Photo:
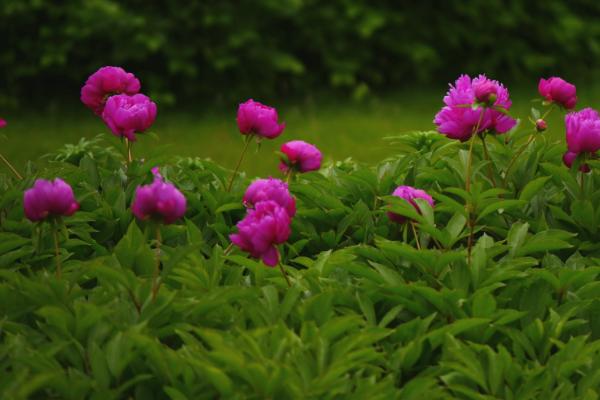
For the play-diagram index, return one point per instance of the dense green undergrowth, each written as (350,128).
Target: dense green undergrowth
(373,313)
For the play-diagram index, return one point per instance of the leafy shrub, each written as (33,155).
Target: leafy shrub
(224,50)
(376,310)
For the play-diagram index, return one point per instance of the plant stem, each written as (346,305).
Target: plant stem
(288,175)
(129,153)
(237,167)
(228,249)
(412,225)
(10,166)
(489,159)
(470,158)
(285,275)
(155,282)
(470,242)
(57,252)
(515,156)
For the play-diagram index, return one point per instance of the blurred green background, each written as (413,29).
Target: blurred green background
(342,73)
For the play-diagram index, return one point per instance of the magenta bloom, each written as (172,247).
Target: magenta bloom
(106,82)
(49,199)
(301,156)
(127,115)
(263,228)
(409,194)
(559,91)
(254,118)
(159,200)
(485,90)
(568,159)
(270,189)
(2,123)
(458,119)
(583,131)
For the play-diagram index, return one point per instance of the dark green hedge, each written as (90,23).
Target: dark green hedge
(228,49)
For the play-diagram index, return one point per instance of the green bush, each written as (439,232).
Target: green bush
(376,311)
(229,50)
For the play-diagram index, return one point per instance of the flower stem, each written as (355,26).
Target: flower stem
(489,159)
(57,252)
(469,204)
(129,152)
(10,166)
(288,175)
(237,167)
(155,282)
(515,156)
(285,275)
(228,249)
(470,158)
(412,225)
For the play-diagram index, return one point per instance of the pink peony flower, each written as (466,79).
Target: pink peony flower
(254,118)
(568,159)
(263,228)
(270,189)
(300,155)
(583,131)
(49,199)
(106,82)
(127,115)
(159,200)
(486,91)
(3,123)
(458,119)
(559,91)
(409,194)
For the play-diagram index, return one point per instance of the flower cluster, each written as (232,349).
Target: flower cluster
(113,94)
(160,200)
(267,222)
(475,106)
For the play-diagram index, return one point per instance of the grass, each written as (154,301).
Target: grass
(340,129)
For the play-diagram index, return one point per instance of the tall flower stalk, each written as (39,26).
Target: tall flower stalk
(5,160)
(255,119)
(161,203)
(49,201)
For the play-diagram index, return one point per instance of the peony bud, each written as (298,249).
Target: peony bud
(541,125)
(301,156)
(254,118)
(559,91)
(49,199)
(583,131)
(159,201)
(127,115)
(409,194)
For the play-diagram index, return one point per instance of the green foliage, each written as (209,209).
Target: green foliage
(227,50)
(376,310)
